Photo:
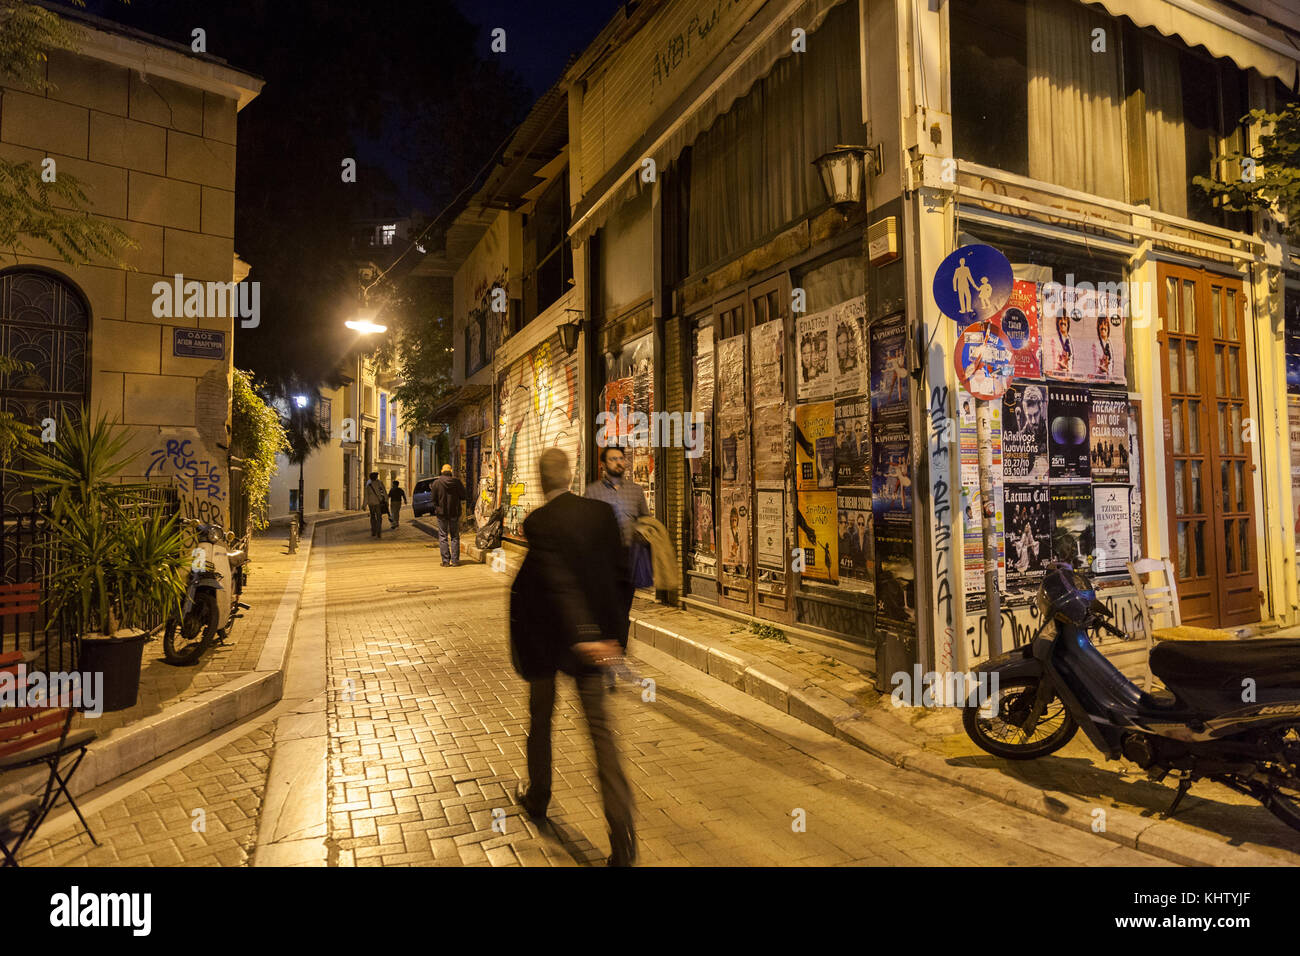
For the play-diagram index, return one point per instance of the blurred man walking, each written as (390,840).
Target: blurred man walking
(565,608)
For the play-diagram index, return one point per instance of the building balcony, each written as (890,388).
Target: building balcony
(393,452)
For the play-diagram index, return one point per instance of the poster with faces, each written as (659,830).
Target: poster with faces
(1083,335)
(848,324)
(815,376)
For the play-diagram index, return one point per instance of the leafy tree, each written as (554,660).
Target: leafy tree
(1270,175)
(15,434)
(257,437)
(419,343)
(32,208)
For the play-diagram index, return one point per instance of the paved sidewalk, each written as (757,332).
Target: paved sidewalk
(163,685)
(427,726)
(1214,825)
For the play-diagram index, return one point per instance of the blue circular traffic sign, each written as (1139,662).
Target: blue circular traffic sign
(973,284)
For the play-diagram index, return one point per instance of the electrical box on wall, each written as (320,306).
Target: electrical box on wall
(882,241)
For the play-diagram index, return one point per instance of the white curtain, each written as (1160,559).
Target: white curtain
(1166,145)
(1076,134)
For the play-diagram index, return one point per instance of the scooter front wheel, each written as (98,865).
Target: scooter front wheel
(997,726)
(185,642)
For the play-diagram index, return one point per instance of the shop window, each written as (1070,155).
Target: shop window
(1031,97)
(829,283)
(1193,110)
(752,172)
(547,232)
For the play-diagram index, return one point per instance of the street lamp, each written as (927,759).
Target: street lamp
(842,171)
(301,402)
(569,332)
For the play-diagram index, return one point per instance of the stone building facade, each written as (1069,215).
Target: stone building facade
(149,129)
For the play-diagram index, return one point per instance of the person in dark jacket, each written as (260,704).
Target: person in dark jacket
(396,498)
(448,493)
(565,610)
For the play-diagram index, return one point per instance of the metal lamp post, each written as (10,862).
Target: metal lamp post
(301,402)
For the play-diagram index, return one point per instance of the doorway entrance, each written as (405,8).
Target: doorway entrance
(1210,478)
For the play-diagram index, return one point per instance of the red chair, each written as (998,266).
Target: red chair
(33,736)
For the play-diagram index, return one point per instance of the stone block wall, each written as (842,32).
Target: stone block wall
(157,158)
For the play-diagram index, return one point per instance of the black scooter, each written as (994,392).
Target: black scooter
(1231,713)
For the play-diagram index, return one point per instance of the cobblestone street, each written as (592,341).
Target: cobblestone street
(426,729)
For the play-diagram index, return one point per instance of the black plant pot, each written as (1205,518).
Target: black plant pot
(117,659)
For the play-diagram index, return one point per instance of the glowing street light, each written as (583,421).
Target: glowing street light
(365,327)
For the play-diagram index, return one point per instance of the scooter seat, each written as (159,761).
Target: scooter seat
(1209,674)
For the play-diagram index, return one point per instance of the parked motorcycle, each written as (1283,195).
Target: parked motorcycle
(1231,712)
(216,580)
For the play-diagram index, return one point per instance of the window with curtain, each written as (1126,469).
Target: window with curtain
(1030,95)
(751,173)
(1193,110)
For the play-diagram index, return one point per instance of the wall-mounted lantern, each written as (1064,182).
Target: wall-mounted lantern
(842,172)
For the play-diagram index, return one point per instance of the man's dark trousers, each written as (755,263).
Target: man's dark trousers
(377,521)
(615,792)
(449,539)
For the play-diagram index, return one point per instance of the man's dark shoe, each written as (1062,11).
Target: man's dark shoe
(455,564)
(521,798)
(446,564)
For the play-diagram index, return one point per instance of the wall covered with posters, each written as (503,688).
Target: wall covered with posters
(628,401)
(1066,453)
(539,403)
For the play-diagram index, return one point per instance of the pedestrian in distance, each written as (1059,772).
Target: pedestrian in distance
(448,494)
(376,502)
(396,498)
(566,614)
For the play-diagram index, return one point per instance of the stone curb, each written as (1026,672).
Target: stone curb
(131,747)
(828,713)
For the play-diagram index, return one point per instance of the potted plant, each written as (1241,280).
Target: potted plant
(116,574)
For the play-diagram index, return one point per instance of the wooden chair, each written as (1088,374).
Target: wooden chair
(39,734)
(1163,599)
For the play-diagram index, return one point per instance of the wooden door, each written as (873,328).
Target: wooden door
(1210,478)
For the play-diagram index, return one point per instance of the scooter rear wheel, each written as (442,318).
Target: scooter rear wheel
(995,728)
(184,644)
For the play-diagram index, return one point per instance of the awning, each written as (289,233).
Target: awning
(1251,42)
(747,60)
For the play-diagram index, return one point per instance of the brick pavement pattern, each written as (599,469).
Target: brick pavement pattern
(428,724)
(155,826)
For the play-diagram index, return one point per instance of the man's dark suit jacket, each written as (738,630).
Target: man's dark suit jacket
(570,587)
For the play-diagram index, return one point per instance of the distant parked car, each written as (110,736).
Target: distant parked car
(422,497)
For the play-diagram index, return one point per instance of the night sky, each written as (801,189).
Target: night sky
(409,88)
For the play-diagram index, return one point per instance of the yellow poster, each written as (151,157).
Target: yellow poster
(813,422)
(817,538)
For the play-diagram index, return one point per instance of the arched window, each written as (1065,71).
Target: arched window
(45,322)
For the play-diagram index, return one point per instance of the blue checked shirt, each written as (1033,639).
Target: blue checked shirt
(626,498)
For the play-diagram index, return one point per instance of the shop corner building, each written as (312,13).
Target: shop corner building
(1151,409)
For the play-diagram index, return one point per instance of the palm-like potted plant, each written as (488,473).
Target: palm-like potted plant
(117,573)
